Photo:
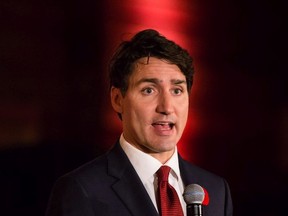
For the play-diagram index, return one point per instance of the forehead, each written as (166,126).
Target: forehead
(154,67)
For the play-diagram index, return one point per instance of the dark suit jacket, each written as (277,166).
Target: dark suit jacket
(110,186)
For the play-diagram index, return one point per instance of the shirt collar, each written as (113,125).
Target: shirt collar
(149,167)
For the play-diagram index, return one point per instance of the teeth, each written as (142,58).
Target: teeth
(164,124)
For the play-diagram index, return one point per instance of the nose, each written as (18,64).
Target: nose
(165,104)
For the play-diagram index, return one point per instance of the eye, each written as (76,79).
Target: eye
(147,91)
(177,91)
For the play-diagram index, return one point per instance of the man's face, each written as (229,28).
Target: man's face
(155,107)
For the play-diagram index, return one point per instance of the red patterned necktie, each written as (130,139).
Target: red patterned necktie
(169,204)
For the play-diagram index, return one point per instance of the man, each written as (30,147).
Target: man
(150,79)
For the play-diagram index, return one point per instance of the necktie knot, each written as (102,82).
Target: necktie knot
(163,173)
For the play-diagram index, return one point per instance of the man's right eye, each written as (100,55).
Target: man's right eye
(147,91)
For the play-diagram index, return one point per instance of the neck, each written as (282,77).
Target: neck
(163,157)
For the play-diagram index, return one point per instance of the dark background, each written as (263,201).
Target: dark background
(54,100)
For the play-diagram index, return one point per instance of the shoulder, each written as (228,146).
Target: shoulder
(86,174)
(73,192)
(213,183)
(194,173)
(103,170)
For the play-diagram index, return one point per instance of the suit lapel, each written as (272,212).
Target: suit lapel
(129,186)
(188,173)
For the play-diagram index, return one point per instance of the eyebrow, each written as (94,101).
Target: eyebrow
(178,81)
(156,81)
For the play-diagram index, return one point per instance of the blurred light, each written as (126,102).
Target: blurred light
(172,18)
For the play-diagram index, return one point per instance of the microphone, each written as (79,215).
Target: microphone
(195,196)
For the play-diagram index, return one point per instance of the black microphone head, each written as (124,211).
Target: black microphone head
(194,194)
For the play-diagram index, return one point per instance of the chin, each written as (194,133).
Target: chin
(167,146)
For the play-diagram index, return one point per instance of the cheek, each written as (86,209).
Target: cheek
(140,105)
(183,112)
(134,110)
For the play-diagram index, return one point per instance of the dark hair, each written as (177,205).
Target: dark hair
(147,43)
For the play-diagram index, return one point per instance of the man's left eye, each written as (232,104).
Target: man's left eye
(177,91)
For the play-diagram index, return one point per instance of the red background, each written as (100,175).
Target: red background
(55,112)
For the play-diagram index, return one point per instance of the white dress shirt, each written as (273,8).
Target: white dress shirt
(146,167)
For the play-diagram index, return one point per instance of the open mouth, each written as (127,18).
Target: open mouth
(163,125)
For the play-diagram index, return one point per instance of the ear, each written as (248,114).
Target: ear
(116,99)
